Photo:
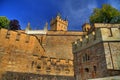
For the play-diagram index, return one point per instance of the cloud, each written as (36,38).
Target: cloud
(78,12)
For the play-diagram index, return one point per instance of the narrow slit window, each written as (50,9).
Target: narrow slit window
(18,37)
(110,35)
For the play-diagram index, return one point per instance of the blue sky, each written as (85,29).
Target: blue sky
(38,12)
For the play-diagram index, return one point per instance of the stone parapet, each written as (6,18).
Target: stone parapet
(101,33)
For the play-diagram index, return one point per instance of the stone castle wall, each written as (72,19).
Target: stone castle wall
(103,44)
(58,43)
(22,53)
(91,62)
(30,76)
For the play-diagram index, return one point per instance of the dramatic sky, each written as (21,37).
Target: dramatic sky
(38,12)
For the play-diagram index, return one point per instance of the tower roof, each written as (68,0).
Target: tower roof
(28,26)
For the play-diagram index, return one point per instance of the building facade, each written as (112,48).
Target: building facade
(97,54)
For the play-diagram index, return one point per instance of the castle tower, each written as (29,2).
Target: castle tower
(28,27)
(58,24)
(86,27)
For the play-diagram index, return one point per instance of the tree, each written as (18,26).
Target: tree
(14,25)
(107,14)
(4,22)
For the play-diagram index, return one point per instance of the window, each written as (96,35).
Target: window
(18,37)
(32,64)
(95,68)
(86,70)
(86,57)
(8,35)
(38,66)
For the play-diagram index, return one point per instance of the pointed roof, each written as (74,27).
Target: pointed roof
(46,26)
(28,26)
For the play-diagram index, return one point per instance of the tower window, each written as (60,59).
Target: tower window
(95,68)
(86,57)
(86,70)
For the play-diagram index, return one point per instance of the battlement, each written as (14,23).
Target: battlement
(15,35)
(59,24)
(58,19)
(23,53)
(100,33)
(52,66)
(20,39)
(105,25)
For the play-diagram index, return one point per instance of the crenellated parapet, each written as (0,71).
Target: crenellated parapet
(59,19)
(101,32)
(59,24)
(109,32)
(23,53)
(21,41)
(52,66)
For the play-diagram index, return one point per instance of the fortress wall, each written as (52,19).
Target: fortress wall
(58,43)
(60,46)
(21,41)
(53,66)
(17,50)
(30,76)
(89,58)
(26,55)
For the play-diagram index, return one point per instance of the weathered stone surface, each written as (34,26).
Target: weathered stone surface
(28,54)
(98,55)
(30,76)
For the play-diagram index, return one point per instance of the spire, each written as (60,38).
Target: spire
(46,26)
(59,15)
(28,26)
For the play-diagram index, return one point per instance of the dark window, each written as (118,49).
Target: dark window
(18,37)
(95,69)
(8,35)
(38,66)
(86,70)
(86,57)
(32,64)
(27,39)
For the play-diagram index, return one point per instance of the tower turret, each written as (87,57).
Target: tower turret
(58,24)
(28,27)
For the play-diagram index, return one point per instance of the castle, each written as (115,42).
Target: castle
(38,54)
(97,54)
(53,54)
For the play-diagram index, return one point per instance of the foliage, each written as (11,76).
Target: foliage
(107,14)
(14,25)
(116,19)
(4,22)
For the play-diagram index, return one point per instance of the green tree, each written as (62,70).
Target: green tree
(107,14)
(4,22)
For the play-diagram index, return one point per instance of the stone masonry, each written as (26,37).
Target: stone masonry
(97,54)
(42,53)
